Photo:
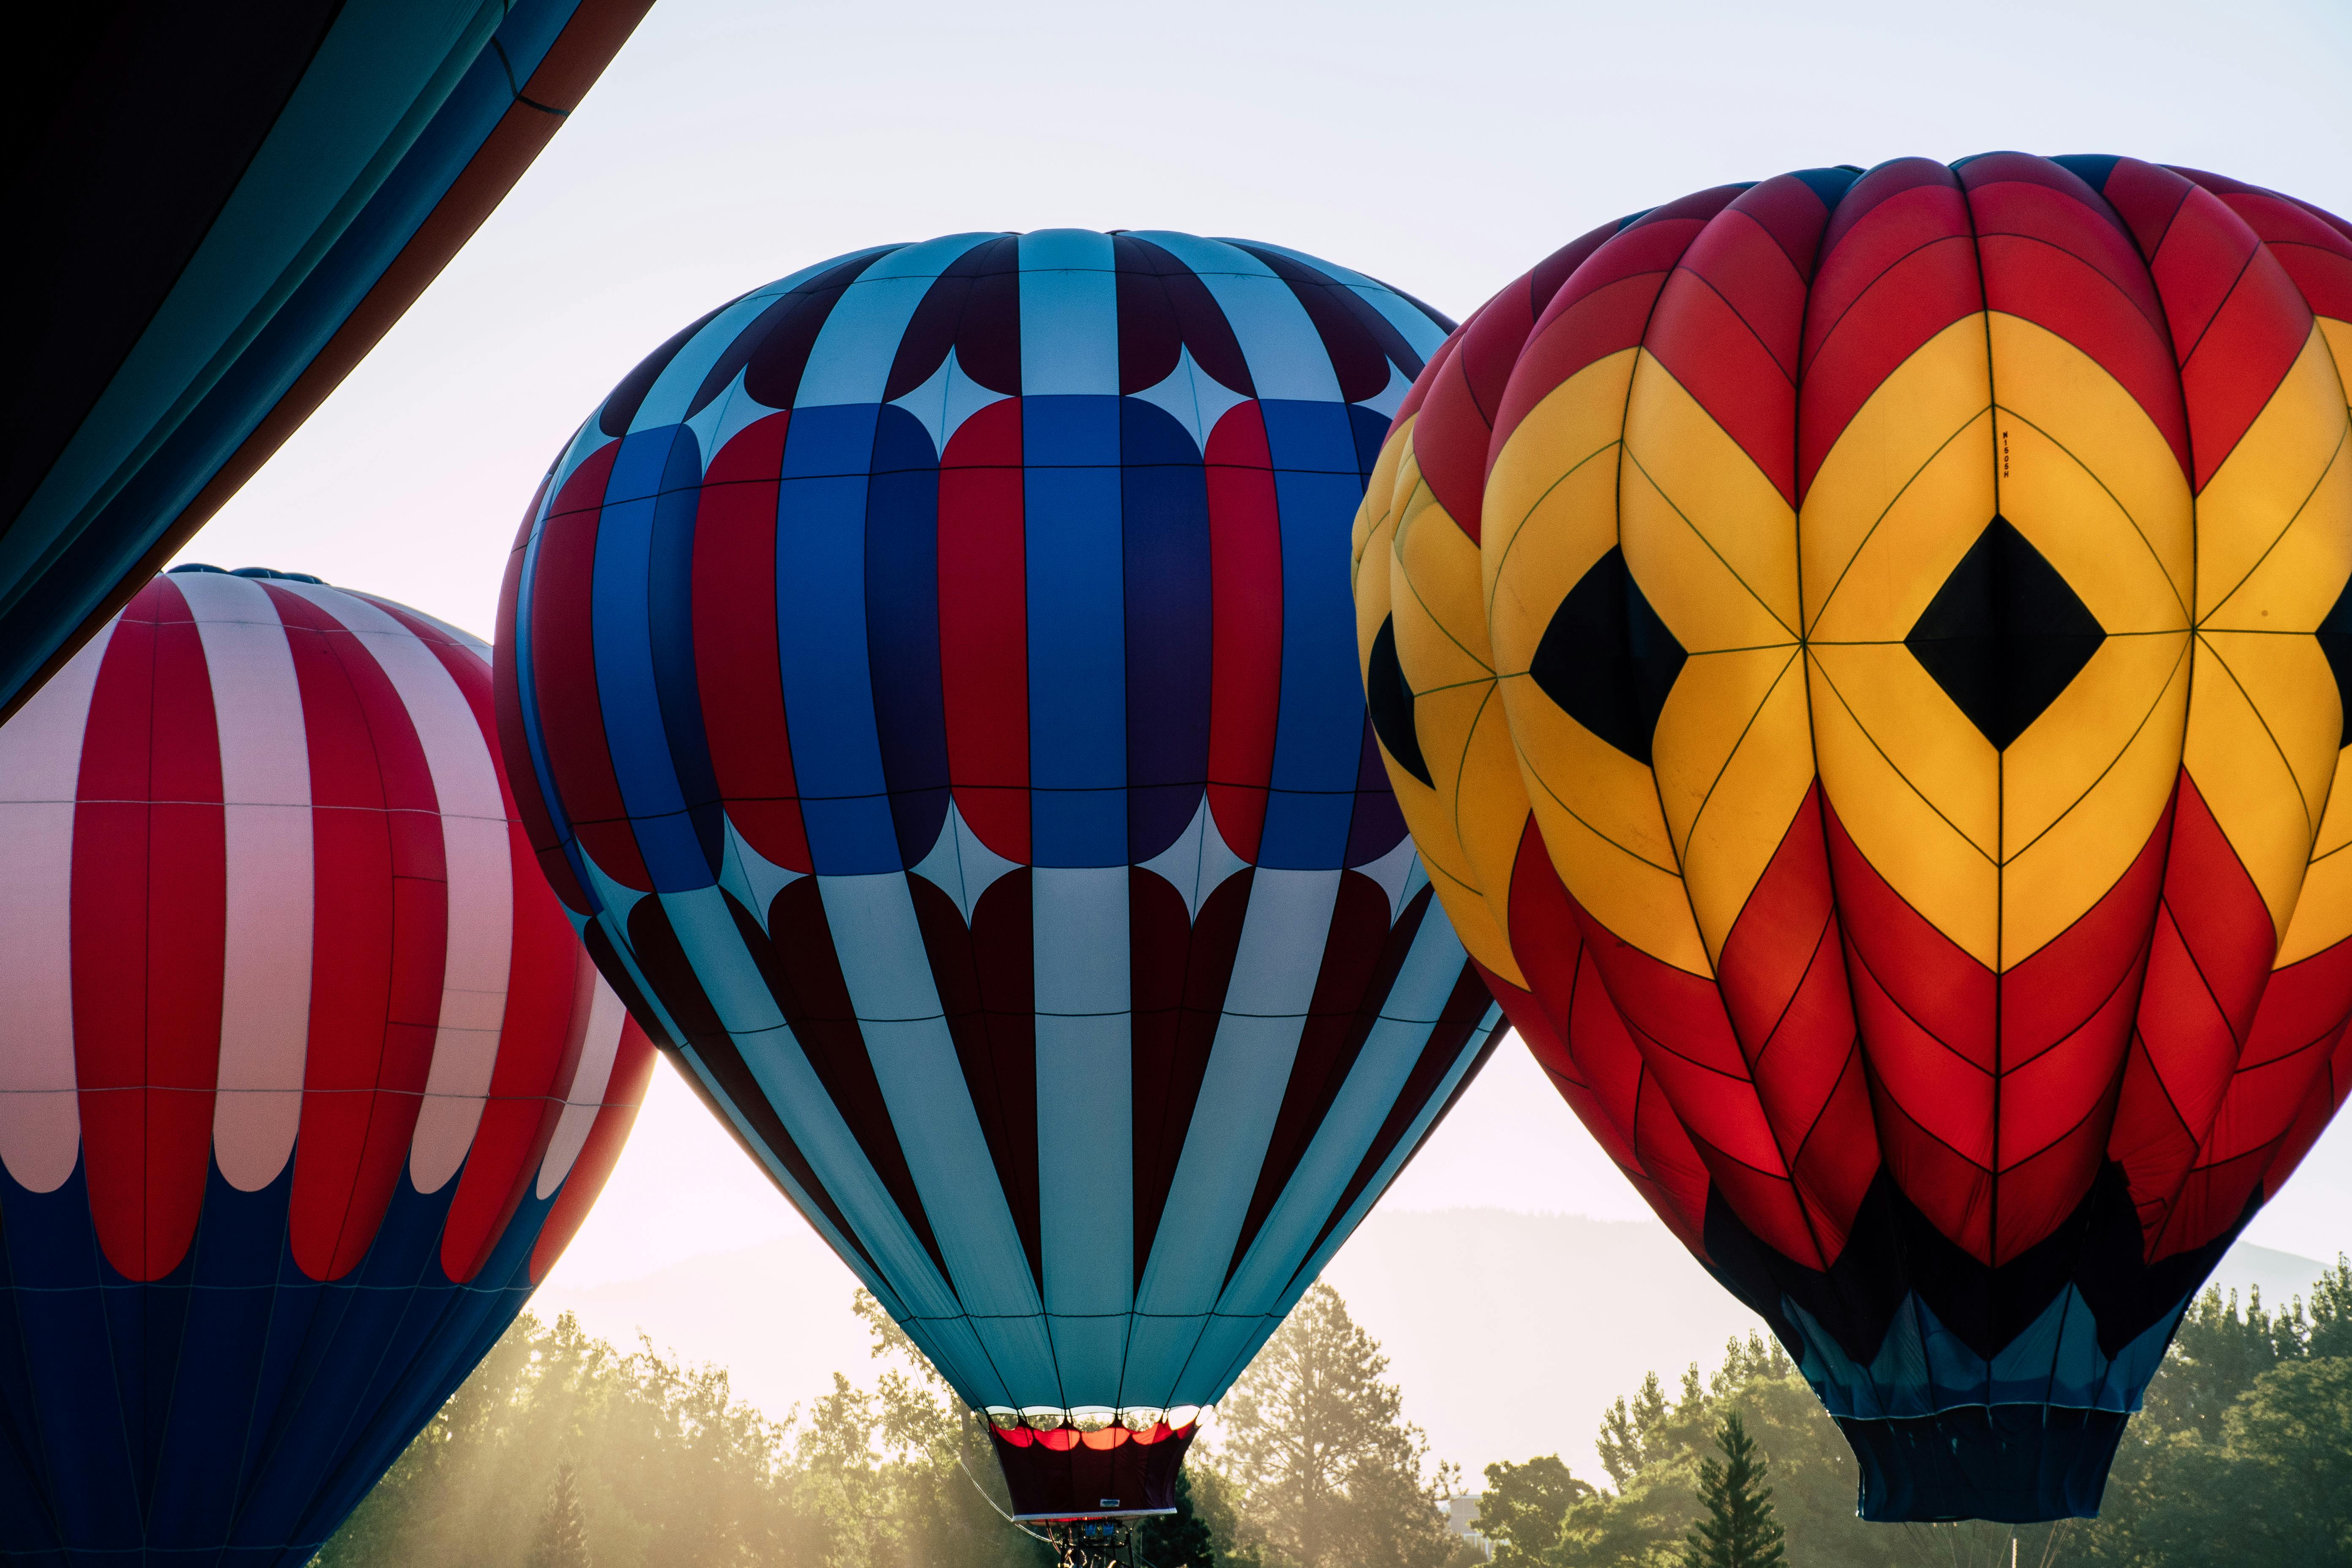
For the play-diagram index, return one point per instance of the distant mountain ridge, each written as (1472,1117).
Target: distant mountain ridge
(1508,1332)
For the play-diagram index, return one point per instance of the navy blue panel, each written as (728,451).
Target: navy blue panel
(1829,185)
(1164,521)
(1372,428)
(670,594)
(2090,168)
(902,628)
(820,639)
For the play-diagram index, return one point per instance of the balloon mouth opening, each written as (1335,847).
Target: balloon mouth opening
(1110,1471)
(2010,1464)
(1097,1427)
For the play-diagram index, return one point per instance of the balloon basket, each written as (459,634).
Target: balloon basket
(1097,1543)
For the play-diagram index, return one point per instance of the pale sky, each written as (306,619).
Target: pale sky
(1443,148)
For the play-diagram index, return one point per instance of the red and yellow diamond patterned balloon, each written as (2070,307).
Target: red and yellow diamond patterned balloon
(1864,659)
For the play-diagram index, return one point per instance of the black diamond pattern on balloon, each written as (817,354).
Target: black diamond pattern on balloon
(1607,660)
(2335,641)
(1390,701)
(2004,635)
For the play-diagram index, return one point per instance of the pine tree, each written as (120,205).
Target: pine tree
(1739,1530)
(562,1538)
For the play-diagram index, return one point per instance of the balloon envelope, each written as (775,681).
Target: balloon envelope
(219,211)
(1863,655)
(308,1079)
(932,674)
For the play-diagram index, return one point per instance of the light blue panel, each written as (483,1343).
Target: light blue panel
(1156,1352)
(810,1210)
(2032,1367)
(882,961)
(1956,1375)
(1414,1132)
(665,402)
(1084,1120)
(1415,328)
(1226,1345)
(851,360)
(2129,1373)
(960,1357)
(382,71)
(1069,314)
(751,876)
(1284,933)
(737,992)
(1285,353)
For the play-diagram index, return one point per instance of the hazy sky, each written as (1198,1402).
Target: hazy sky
(1441,147)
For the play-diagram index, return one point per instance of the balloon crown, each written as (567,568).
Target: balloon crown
(251,571)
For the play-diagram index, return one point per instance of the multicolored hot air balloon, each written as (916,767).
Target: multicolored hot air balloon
(927,679)
(1864,659)
(220,210)
(307,1081)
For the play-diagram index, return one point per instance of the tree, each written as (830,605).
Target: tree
(1182,1540)
(1329,1473)
(562,1538)
(1526,1505)
(1739,1530)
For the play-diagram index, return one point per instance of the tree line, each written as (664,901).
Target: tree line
(565,1451)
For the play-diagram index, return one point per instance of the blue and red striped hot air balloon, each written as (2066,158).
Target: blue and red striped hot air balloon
(929,681)
(308,1080)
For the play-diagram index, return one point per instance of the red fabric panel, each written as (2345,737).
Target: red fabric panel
(1175,1028)
(531,805)
(2313,246)
(2237,320)
(984,626)
(736,666)
(550,989)
(1730,322)
(380,937)
(1898,266)
(2054,254)
(149,935)
(1604,305)
(563,637)
(1783,980)
(986,976)
(1245,650)
(632,1070)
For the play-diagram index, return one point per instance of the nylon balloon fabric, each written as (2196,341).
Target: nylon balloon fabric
(932,675)
(308,1082)
(1864,656)
(224,207)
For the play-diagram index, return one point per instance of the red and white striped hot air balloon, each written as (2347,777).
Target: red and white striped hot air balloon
(296,1051)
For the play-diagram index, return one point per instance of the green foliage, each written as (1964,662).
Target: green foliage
(562,1538)
(1738,1530)
(1326,1471)
(1524,1506)
(1184,1540)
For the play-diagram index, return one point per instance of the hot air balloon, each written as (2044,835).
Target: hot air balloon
(219,211)
(928,677)
(308,1079)
(1864,656)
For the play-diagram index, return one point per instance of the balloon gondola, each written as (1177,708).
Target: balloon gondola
(1865,656)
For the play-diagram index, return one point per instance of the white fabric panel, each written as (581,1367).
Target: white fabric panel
(40,763)
(477,843)
(272,893)
(842,365)
(584,1096)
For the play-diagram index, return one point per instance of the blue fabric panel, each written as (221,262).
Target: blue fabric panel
(822,641)
(1319,733)
(1164,525)
(902,628)
(1077,643)
(628,678)
(670,595)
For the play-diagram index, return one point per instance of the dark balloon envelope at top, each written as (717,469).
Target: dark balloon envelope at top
(931,675)
(218,211)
